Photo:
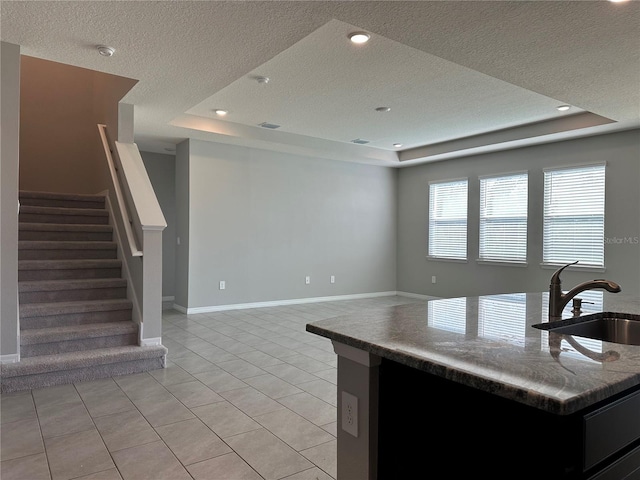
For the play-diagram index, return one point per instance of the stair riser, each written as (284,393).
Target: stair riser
(68,319)
(73,295)
(27,382)
(78,345)
(65,236)
(67,254)
(49,202)
(61,218)
(68,274)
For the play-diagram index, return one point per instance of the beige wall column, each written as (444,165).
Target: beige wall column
(358,375)
(9,161)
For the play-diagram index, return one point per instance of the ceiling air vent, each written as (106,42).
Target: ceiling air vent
(360,141)
(272,126)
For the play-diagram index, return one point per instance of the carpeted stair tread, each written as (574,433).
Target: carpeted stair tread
(76,332)
(65,227)
(85,358)
(83,306)
(87,232)
(39,210)
(81,197)
(55,285)
(66,250)
(69,264)
(65,245)
(76,322)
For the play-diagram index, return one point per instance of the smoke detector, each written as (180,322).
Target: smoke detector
(105,51)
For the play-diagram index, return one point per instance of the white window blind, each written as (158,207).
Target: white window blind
(503,317)
(574,215)
(448,220)
(503,218)
(448,314)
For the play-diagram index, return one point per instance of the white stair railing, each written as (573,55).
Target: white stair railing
(136,208)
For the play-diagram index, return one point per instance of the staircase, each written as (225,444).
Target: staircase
(75,318)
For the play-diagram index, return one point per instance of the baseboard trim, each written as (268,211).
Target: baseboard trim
(10,358)
(277,303)
(168,299)
(151,342)
(179,308)
(416,295)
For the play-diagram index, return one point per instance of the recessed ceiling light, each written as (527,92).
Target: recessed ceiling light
(564,108)
(383,109)
(397,145)
(262,80)
(360,141)
(359,37)
(220,112)
(105,51)
(618,1)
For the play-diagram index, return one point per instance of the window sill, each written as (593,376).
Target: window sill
(581,268)
(501,263)
(445,259)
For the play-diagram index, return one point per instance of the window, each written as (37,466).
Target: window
(448,220)
(503,317)
(574,216)
(448,314)
(503,218)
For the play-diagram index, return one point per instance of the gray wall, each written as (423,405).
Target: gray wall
(182,225)
(162,173)
(262,221)
(621,151)
(10,82)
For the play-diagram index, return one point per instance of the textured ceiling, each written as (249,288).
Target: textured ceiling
(460,77)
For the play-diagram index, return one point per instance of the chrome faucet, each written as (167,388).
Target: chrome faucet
(558,300)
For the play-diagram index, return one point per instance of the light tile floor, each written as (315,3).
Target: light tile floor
(246,395)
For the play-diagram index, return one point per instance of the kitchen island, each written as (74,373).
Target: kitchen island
(468,385)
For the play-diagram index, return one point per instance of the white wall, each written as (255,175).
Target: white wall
(262,221)
(162,173)
(621,151)
(9,160)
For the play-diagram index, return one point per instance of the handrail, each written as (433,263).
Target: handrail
(143,197)
(131,240)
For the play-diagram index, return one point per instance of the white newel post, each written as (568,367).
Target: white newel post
(151,331)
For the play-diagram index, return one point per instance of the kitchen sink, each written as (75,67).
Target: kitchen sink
(608,327)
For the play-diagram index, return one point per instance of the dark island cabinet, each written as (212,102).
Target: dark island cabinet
(428,423)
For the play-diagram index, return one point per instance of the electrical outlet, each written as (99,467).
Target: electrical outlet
(223,284)
(433,279)
(350,413)
(333,279)
(307,280)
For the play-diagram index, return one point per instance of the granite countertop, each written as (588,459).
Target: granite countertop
(488,343)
